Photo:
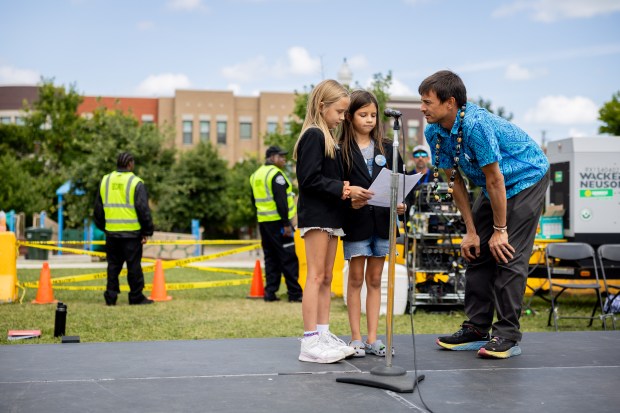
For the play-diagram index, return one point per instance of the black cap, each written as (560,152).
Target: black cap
(274,150)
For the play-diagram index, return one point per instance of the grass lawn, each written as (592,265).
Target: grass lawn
(219,312)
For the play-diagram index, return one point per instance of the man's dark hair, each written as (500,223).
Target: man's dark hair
(445,84)
(124,159)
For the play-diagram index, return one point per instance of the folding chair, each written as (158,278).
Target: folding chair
(609,257)
(562,260)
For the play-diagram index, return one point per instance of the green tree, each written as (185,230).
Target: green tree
(241,212)
(15,139)
(379,87)
(499,111)
(287,140)
(20,189)
(42,148)
(55,126)
(609,114)
(107,134)
(195,188)
(23,182)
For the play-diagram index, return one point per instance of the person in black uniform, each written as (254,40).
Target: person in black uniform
(272,194)
(122,212)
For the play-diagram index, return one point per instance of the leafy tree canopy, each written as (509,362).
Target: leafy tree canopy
(195,188)
(500,111)
(106,135)
(609,114)
(241,212)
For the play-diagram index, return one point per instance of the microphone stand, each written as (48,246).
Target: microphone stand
(389,377)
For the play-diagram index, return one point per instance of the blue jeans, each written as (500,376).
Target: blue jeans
(371,247)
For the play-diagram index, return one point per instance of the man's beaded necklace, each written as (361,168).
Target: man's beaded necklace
(459,138)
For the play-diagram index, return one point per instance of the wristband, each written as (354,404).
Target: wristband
(500,229)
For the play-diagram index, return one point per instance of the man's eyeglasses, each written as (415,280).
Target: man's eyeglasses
(420,155)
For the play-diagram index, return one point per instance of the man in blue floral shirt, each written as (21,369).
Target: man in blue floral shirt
(512,171)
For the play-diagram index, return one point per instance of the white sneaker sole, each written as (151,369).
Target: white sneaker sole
(323,360)
(348,351)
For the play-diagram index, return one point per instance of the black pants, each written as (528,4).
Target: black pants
(119,251)
(280,258)
(491,286)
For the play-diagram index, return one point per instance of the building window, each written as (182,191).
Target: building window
(205,130)
(19,121)
(272,127)
(187,132)
(5,120)
(287,128)
(413,127)
(148,119)
(412,134)
(245,130)
(221,132)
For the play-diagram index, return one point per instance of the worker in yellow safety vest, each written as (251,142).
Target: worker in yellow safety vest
(272,194)
(122,212)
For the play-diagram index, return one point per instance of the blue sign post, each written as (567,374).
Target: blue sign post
(64,188)
(196,234)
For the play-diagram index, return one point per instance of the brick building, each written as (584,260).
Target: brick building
(235,125)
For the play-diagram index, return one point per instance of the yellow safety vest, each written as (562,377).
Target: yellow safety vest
(117,192)
(261,182)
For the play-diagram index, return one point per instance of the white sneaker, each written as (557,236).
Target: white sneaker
(315,350)
(334,342)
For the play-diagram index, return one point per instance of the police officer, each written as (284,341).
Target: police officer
(122,211)
(272,194)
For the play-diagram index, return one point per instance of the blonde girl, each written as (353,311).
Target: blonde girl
(320,208)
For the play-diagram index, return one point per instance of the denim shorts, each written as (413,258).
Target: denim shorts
(371,247)
(333,232)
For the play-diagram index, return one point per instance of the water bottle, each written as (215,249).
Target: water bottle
(60,321)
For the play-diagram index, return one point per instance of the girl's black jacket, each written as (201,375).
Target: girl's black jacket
(320,181)
(361,224)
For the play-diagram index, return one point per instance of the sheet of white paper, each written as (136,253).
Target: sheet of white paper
(381,187)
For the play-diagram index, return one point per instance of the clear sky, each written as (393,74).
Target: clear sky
(552,63)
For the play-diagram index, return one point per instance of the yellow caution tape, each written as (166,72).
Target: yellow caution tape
(150,242)
(59,281)
(185,261)
(149,287)
(202,284)
(224,270)
(63,249)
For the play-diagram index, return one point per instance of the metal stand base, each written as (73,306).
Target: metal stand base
(397,383)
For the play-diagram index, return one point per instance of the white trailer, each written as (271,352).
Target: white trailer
(585,179)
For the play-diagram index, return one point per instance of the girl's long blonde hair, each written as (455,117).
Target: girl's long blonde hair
(327,92)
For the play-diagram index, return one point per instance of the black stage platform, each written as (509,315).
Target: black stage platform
(557,372)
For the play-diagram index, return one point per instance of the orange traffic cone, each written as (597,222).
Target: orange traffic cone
(45,293)
(159,284)
(257,290)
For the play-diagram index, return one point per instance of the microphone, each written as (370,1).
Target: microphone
(392,113)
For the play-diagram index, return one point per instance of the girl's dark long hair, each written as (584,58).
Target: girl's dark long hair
(359,99)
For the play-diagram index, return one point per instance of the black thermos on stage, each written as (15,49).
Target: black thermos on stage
(60,321)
